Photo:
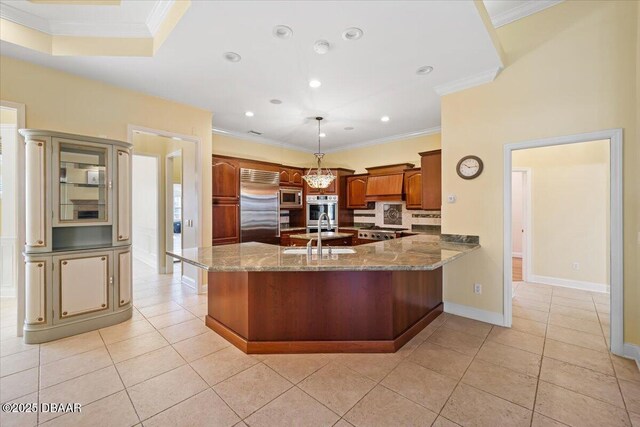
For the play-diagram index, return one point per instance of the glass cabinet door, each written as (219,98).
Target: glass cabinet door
(83,180)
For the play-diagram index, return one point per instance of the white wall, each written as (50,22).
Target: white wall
(145,216)
(517,220)
(8,230)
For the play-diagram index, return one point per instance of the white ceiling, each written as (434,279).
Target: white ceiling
(361,80)
(503,12)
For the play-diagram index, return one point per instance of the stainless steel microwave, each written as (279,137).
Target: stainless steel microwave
(291,198)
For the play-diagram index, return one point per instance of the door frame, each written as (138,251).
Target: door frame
(168,198)
(616,251)
(20,211)
(527,253)
(159,268)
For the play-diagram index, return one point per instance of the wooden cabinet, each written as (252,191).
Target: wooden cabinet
(291,177)
(413,188)
(83,284)
(431,179)
(225,179)
(225,209)
(37,203)
(356,192)
(226,223)
(285,239)
(384,187)
(123,216)
(123,277)
(37,272)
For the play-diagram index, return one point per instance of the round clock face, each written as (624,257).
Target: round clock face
(469,167)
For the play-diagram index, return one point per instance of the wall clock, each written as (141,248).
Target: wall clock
(469,167)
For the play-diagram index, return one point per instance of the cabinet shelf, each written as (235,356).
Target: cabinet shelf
(81,164)
(83,184)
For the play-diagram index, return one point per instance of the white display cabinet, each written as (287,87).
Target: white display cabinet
(78,263)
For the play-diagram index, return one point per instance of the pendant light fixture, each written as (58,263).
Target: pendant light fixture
(319,177)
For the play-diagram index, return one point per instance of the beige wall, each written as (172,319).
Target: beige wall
(400,151)
(569,210)
(60,101)
(230,146)
(571,69)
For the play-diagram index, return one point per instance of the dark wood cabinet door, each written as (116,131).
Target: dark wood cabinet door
(285,176)
(225,223)
(356,190)
(413,189)
(225,179)
(431,180)
(296,176)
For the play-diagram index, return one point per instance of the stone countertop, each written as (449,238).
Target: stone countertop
(289,228)
(418,252)
(326,235)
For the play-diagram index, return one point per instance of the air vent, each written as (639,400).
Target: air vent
(253,132)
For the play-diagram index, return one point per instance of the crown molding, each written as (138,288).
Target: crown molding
(260,139)
(21,17)
(158,15)
(521,11)
(468,82)
(386,139)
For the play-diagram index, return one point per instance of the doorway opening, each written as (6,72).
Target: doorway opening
(563,211)
(145,219)
(174,207)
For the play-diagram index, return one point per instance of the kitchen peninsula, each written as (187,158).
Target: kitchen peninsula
(369,298)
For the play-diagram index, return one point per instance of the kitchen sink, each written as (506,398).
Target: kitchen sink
(325,251)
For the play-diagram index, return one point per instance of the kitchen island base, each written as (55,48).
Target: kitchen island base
(322,311)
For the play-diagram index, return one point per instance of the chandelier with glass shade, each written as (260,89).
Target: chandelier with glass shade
(319,177)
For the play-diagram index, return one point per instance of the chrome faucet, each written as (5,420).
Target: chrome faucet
(323,214)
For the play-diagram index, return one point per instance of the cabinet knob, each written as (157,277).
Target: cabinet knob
(103,258)
(40,319)
(64,262)
(64,313)
(104,305)
(40,265)
(119,153)
(40,242)
(121,301)
(120,236)
(39,144)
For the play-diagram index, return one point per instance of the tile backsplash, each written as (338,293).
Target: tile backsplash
(402,217)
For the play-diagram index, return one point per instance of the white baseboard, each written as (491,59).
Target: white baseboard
(632,351)
(574,284)
(516,255)
(189,282)
(474,313)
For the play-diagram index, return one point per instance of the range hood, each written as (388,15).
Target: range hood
(386,183)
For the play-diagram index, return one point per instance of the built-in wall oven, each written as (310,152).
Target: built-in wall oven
(316,206)
(290,198)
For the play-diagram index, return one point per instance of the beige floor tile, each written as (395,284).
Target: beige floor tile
(537,287)
(15,345)
(421,385)
(84,390)
(443,422)
(20,419)
(582,339)
(164,391)
(529,326)
(185,330)
(200,345)
(132,347)
(171,318)
(533,296)
(337,387)
(540,420)
(293,408)
(383,407)
(203,409)
(371,365)
(530,314)
(56,350)
(635,419)
(112,411)
(603,308)
(574,303)
(222,364)
(510,385)
(295,367)
(469,326)
(126,330)
(574,312)
(581,380)
(19,362)
(517,339)
(404,351)
(343,423)
(251,389)
(626,369)
(155,300)
(531,304)
(592,327)
(157,309)
(18,384)
(601,298)
(510,357)
(469,406)
(631,394)
(440,359)
(458,341)
(146,366)
(199,310)
(74,366)
(576,294)
(580,356)
(577,409)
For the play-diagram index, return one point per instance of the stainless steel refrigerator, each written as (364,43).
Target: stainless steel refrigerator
(259,206)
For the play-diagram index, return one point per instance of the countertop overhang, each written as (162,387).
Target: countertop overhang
(420,252)
(325,235)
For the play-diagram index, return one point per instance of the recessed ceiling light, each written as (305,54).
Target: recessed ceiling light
(282,31)
(232,57)
(276,101)
(249,114)
(424,70)
(315,83)
(352,33)
(322,135)
(349,128)
(321,47)
(384,119)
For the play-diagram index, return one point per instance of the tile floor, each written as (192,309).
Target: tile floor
(165,368)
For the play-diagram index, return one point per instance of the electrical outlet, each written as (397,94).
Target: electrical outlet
(477,288)
(575,266)
(451,198)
